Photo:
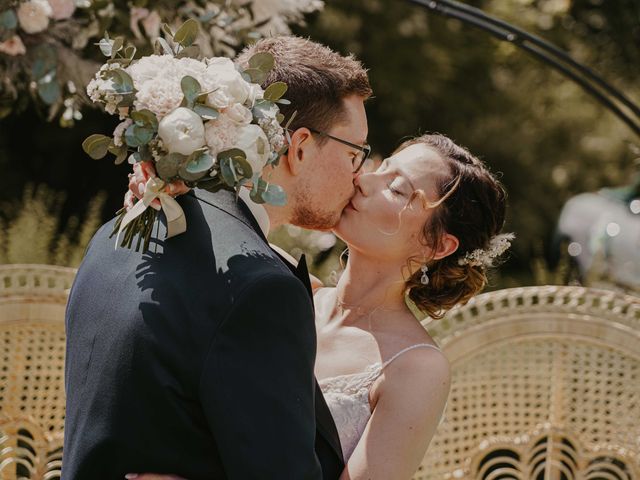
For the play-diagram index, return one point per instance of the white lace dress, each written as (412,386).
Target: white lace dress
(347,397)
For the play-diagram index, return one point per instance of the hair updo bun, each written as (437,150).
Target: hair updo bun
(473,210)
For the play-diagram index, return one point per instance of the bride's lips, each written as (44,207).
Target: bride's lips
(351,206)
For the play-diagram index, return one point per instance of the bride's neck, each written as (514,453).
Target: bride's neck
(371,283)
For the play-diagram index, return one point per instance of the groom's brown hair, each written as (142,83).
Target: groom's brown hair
(318,79)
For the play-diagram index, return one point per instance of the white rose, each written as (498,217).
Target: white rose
(239,114)
(219,99)
(182,131)
(254,143)
(62,9)
(34,15)
(220,64)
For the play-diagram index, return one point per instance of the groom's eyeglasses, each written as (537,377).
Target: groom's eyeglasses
(359,159)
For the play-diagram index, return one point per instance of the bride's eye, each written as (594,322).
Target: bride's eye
(395,187)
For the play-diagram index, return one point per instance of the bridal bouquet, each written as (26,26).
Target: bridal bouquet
(201,122)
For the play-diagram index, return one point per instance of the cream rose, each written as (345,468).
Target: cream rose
(34,15)
(229,82)
(182,131)
(254,143)
(62,9)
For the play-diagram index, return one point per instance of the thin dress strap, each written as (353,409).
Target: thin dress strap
(427,345)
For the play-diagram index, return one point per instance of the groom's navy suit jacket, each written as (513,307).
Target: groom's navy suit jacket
(195,358)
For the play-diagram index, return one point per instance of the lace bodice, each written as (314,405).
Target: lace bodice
(348,399)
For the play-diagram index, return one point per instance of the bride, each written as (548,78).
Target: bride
(424,226)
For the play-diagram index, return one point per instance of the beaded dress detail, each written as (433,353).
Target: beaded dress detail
(347,397)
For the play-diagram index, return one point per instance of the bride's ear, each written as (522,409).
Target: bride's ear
(448,245)
(299,149)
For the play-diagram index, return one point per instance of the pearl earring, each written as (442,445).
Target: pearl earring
(424,280)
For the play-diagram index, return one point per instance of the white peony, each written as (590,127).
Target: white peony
(229,82)
(13,46)
(255,93)
(182,131)
(34,15)
(221,134)
(239,114)
(62,9)
(254,143)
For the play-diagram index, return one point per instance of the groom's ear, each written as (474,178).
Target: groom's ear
(299,150)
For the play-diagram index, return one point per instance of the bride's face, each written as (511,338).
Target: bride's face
(385,219)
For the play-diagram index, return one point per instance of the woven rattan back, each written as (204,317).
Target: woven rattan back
(546,386)
(32,345)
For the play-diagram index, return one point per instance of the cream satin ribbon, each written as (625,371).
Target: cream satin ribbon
(176,221)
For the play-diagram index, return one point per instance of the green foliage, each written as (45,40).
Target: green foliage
(32,232)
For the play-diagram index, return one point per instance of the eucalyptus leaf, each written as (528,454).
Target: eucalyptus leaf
(259,187)
(283,101)
(136,136)
(145,118)
(120,153)
(49,92)
(207,113)
(190,52)
(8,19)
(45,60)
(105,46)
(168,166)
(201,163)
(96,145)
(226,171)
(275,91)
(265,109)
(191,89)
(262,61)
(122,81)
(254,75)
(167,30)
(275,195)
(130,52)
(187,33)
(165,47)
(116,46)
(243,168)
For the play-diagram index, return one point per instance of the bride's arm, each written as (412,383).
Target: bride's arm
(411,398)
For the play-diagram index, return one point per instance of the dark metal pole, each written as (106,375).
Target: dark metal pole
(544,51)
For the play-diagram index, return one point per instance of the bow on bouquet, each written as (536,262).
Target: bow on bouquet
(201,123)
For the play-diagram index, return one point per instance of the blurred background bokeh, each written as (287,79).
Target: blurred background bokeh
(546,137)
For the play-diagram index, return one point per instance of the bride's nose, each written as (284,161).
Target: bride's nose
(362,182)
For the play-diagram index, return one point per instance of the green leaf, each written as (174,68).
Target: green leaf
(116,46)
(196,167)
(275,195)
(243,168)
(275,91)
(259,187)
(8,19)
(283,101)
(262,61)
(130,52)
(105,46)
(136,136)
(265,109)
(254,75)
(45,60)
(164,46)
(96,145)
(226,161)
(191,89)
(168,166)
(145,118)
(190,52)
(122,81)
(49,92)
(120,153)
(167,30)
(187,33)
(207,113)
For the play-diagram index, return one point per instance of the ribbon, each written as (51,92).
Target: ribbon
(176,221)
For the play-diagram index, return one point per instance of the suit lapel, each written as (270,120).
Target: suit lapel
(228,202)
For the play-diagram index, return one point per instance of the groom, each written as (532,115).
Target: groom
(196,357)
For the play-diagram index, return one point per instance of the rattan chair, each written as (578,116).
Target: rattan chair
(32,344)
(546,386)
